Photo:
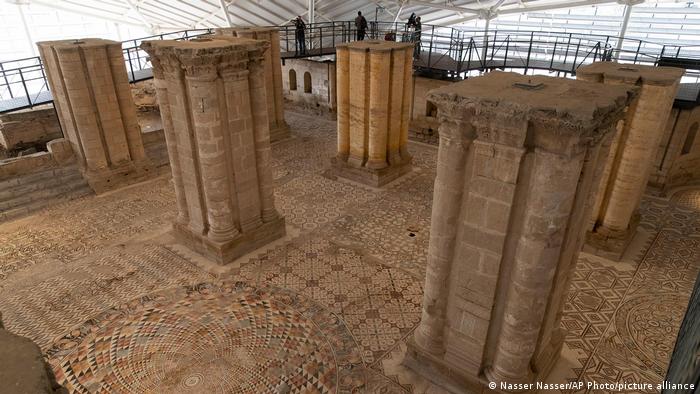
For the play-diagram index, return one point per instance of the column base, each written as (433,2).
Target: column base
(610,244)
(225,252)
(279,133)
(368,176)
(439,372)
(108,179)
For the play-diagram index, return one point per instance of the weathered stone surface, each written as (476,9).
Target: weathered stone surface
(93,99)
(22,367)
(374,99)
(212,96)
(23,129)
(632,152)
(517,163)
(273,74)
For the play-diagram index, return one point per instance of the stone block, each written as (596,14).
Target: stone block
(279,129)
(518,158)
(213,99)
(96,110)
(374,93)
(632,151)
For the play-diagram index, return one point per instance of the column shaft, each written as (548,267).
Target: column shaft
(261,130)
(379,90)
(407,102)
(447,203)
(397,102)
(208,129)
(243,149)
(537,258)
(359,107)
(160,83)
(343,64)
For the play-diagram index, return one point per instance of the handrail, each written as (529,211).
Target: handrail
(448,51)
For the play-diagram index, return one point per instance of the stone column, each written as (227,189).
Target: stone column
(93,100)
(273,75)
(374,99)
(517,162)
(212,96)
(615,217)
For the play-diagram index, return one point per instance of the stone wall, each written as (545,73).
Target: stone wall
(24,129)
(424,123)
(144,94)
(321,82)
(59,153)
(677,161)
(24,370)
(517,163)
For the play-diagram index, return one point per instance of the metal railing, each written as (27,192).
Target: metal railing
(444,51)
(23,82)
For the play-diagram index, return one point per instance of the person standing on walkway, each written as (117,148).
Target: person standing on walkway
(300,35)
(361,26)
(417,37)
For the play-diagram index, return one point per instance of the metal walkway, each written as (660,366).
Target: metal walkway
(445,52)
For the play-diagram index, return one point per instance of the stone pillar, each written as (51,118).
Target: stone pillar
(615,218)
(273,75)
(93,100)
(212,97)
(517,162)
(374,99)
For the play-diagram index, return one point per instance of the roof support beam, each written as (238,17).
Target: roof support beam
(139,15)
(311,13)
(56,5)
(206,18)
(525,9)
(224,10)
(444,7)
(27,30)
(625,22)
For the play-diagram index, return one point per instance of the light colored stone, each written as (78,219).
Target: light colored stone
(629,166)
(516,166)
(212,96)
(273,74)
(374,99)
(94,104)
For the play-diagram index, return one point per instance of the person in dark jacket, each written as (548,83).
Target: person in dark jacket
(411,20)
(361,26)
(416,37)
(300,35)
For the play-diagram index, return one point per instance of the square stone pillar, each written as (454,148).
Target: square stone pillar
(93,100)
(615,216)
(517,162)
(212,98)
(273,74)
(375,92)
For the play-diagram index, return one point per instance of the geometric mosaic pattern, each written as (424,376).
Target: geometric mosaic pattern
(209,338)
(329,310)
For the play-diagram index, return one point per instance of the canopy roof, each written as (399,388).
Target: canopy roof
(159,15)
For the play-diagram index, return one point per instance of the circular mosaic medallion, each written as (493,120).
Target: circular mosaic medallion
(649,325)
(209,339)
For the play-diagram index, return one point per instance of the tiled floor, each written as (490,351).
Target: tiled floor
(117,308)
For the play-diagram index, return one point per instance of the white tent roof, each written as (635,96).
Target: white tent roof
(181,14)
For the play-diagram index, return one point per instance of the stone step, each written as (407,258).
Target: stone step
(34,191)
(26,191)
(37,176)
(58,195)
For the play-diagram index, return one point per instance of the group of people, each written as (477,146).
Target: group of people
(413,32)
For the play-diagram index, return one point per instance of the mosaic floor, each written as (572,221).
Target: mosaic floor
(98,284)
